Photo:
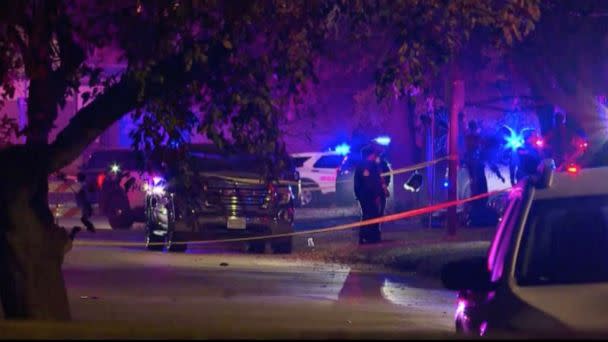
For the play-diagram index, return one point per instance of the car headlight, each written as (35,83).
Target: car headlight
(158,190)
(284,196)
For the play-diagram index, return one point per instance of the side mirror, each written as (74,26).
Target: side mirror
(467,274)
(129,184)
(414,183)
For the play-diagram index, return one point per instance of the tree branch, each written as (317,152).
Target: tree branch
(115,102)
(16,38)
(71,54)
(91,121)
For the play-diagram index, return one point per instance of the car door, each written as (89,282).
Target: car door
(476,308)
(326,170)
(495,305)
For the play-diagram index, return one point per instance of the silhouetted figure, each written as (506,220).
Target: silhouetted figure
(369,191)
(560,140)
(84,204)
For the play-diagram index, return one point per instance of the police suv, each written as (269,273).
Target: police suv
(227,196)
(546,271)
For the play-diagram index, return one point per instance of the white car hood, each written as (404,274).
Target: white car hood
(580,307)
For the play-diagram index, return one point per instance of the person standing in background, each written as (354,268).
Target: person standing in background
(369,190)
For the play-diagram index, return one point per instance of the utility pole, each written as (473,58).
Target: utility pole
(455,95)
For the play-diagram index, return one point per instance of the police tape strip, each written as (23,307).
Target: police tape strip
(60,186)
(360,224)
(393,172)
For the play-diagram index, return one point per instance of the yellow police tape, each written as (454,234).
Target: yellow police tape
(393,172)
(360,224)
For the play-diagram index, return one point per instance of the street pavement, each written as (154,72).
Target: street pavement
(221,289)
(247,293)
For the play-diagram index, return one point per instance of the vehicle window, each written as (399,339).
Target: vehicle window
(565,241)
(329,162)
(215,163)
(350,162)
(299,161)
(502,239)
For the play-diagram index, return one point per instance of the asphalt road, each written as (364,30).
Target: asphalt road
(222,290)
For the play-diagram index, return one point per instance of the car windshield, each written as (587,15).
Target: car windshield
(211,162)
(565,241)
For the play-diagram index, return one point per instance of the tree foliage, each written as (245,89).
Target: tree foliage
(225,69)
(428,34)
(563,60)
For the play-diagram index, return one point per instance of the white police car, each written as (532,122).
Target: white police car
(318,172)
(546,272)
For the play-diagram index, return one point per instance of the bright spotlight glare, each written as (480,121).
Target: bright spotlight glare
(115,168)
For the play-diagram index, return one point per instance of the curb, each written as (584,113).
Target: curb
(306,214)
(429,260)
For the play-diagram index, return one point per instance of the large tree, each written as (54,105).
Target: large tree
(221,68)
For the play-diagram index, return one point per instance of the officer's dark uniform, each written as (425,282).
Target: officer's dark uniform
(386,181)
(369,193)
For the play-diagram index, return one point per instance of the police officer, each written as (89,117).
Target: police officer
(369,192)
(83,202)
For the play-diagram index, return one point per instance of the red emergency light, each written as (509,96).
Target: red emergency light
(100,179)
(573,169)
(539,142)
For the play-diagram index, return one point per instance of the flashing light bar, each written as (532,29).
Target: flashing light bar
(343,149)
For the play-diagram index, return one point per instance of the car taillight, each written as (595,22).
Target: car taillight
(539,142)
(573,169)
(100,179)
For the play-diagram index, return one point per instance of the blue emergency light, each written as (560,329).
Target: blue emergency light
(514,140)
(343,149)
(383,140)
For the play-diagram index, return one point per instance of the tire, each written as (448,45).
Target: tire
(118,212)
(139,214)
(255,247)
(152,238)
(170,243)
(308,196)
(282,246)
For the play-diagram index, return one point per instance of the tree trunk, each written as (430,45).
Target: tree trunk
(411,113)
(31,245)
(456,101)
